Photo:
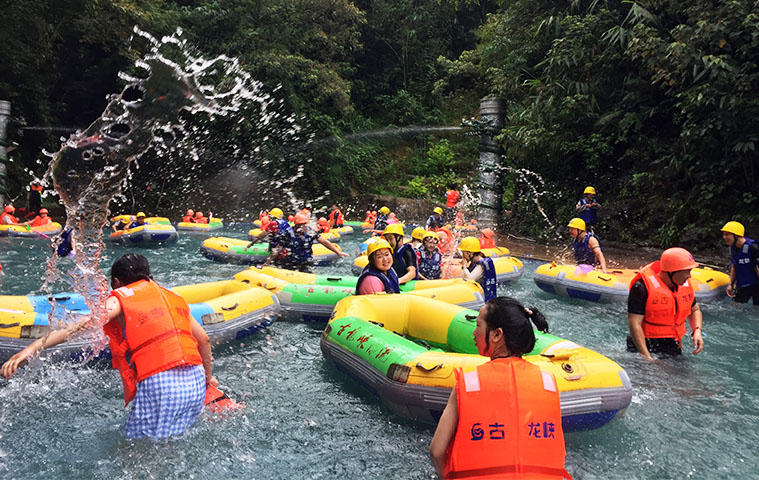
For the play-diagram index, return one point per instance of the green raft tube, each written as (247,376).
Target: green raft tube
(405,349)
(313,297)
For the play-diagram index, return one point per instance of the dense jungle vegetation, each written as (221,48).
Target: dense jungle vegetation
(654,102)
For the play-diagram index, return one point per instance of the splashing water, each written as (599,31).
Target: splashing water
(165,105)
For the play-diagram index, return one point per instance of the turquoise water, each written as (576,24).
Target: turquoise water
(690,417)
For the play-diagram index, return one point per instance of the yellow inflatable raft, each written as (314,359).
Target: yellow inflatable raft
(24,231)
(333,235)
(191,227)
(148,234)
(227,310)
(313,297)
(572,281)
(405,349)
(233,250)
(149,220)
(508,269)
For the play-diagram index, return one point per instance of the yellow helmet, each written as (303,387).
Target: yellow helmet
(141,214)
(469,244)
(577,223)
(735,228)
(418,233)
(431,234)
(438,210)
(384,210)
(590,190)
(377,245)
(276,213)
(393,228)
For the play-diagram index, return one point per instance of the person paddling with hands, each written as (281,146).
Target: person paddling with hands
(162,353)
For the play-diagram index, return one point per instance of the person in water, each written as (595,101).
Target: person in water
(162,353)
(744,264)
(7,218)
(34,199)
(380,222)
(585,245)
(65,244)
(587,207)
(189,216)
(660,300)
(405,261)
(417,238)
(503,419)
(435,220)
(336,219)
(452,197)
(298,247)
(139,221)
(199,218)
(429,257)
(378,275)
(276,231)
(487,239)
(478,267)
(42,219)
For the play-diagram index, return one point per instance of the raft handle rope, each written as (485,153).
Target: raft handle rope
(230,308)
(428,370)
(379,324)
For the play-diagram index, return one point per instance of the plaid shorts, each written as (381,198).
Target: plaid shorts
(167,403)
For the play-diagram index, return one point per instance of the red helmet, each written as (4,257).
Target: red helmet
(300,219)
(10,209)
(676,259)
(322,221)
(290,218)
(43,210)
(190,212)
(199,214)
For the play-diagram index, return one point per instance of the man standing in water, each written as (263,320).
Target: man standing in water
(660,300)
(587,207)
(162,353)
(744,265)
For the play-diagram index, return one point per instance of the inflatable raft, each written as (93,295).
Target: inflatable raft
(148,234)
(572,281)
(508,269)
(344,230)
(405,349)
(150,220)
(232,250)
(333,235)
(227,310)
(23,231)
(190,227)
(313,297)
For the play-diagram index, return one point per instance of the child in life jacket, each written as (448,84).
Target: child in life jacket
(429,257)
(42,219)
(165,361)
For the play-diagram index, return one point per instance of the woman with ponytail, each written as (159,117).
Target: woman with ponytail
(502,420)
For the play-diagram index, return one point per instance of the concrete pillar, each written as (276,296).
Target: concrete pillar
(492,111)
(5,115)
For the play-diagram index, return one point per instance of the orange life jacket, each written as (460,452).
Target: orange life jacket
(666,310)
(10,217)
(335,218)
(452,198)
(41,221)
(486,242)
(158,334)
(509,423)
(446,240)
(187,218)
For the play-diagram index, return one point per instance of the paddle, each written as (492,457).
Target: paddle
(35,231)
(218,401)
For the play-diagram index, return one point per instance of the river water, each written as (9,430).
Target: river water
(695,416)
